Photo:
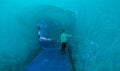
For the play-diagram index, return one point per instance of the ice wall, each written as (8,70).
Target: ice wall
(99,36)
(18,34)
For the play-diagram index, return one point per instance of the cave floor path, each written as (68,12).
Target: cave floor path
(50,59)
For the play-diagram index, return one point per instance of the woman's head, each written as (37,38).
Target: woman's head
(38,27)
(63,30)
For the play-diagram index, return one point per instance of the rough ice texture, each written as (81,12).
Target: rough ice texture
(99,36)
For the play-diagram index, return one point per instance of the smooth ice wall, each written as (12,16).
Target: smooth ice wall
(18,34)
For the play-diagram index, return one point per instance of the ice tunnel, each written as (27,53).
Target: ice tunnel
(53,20)
(94,24)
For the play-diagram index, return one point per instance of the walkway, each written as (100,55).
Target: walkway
(50,59)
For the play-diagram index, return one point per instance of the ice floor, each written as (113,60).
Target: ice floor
(50,59)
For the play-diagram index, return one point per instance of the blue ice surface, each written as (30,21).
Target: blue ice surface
(50,59)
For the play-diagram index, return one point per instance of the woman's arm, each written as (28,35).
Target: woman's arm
(69,35)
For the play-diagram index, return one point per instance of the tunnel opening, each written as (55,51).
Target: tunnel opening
(52,20)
